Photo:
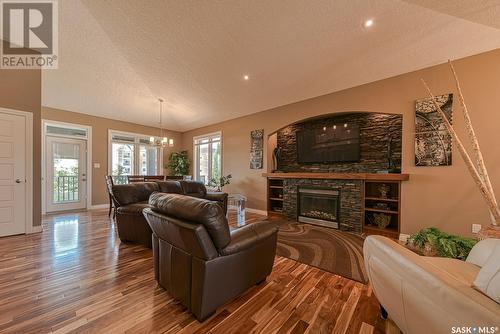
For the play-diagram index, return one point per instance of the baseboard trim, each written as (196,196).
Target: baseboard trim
(35,229)
(260,212)
(257,211)
(99,207)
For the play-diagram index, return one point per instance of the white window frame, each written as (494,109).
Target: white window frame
(87,138)
(208,136)
(137,144)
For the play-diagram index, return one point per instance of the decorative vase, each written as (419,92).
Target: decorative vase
(384,190)
(382,220)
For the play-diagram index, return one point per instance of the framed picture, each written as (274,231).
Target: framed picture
(257,149)
(432,141)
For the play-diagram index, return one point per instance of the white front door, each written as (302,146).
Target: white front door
(12,174)
(66,174)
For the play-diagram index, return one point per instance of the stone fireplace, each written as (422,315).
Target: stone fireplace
(319,206)
(330,192)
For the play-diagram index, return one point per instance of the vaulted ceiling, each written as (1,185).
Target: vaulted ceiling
(116,57)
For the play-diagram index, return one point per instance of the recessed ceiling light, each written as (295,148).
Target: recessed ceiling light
(246,77)
(368,23)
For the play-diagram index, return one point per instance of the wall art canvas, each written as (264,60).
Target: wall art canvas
(432,140)
(257,149)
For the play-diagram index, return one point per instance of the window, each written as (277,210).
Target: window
(208,157)
(132,154)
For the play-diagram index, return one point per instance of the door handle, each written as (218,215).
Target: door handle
(18,181)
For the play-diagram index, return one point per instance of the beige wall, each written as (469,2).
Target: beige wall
(445,197)
(21,90)
(100,128)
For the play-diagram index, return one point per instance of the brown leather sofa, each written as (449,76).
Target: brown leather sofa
(198,260)
(131,199)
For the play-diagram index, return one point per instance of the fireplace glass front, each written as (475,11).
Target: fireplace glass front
(319,206)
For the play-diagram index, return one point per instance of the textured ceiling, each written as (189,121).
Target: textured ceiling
(485,12)
(117,56)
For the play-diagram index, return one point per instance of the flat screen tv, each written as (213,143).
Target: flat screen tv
(337,143)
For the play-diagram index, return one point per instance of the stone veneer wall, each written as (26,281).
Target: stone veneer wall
(375,130)
(350,200)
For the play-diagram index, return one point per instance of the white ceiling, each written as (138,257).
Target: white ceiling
(117,56)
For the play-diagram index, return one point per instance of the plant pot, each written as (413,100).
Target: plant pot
(427,250)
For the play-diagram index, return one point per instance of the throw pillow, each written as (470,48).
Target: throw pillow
(482,251)
(488,279)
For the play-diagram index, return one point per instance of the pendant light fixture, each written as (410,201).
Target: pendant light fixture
(161,141)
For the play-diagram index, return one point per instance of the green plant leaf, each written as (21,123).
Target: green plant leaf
(446,245)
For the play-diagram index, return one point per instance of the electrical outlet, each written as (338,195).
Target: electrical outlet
(404,237)
(476,228)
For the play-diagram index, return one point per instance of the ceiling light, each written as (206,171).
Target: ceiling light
(161,141)
(246,77)
(368,23)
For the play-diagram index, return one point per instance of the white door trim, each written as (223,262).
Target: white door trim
(87,128)
(29,166)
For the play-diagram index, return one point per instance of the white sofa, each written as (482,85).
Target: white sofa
(426,294)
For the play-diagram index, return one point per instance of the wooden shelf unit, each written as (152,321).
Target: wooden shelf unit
(275,196)
(375,203)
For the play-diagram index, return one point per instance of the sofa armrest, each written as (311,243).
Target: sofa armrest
(216,196)
(404,281)
(249,236)
(219,197)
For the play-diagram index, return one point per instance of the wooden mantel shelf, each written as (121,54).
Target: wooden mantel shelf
(340,176)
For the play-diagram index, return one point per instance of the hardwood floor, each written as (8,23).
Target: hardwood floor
(76,276)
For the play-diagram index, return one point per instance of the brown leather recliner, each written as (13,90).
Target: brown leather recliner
(130,199)
(198,189)
(196,257)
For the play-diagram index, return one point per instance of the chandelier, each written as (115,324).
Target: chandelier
(161,141)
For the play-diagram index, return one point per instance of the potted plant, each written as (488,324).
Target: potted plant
(179,163)
(220,182)
(432,241)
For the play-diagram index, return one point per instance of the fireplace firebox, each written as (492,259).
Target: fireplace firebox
(319,206)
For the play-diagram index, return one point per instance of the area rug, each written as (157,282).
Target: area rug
(335,251)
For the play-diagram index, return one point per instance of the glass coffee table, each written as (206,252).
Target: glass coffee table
(238,202)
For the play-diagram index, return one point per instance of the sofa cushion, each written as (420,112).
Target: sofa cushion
(134,192)
(197,211)
(460,270)
(488,279)
(170,187)
(133,209)
(193,188)
(481,251)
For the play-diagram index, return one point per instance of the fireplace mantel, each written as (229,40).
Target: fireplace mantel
(340,176)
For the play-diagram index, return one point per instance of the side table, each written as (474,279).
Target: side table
(238,202)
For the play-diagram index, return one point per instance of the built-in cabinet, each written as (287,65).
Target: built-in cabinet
(381,198)
(275,196)
(381,208)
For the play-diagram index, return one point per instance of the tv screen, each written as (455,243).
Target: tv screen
(337,143)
